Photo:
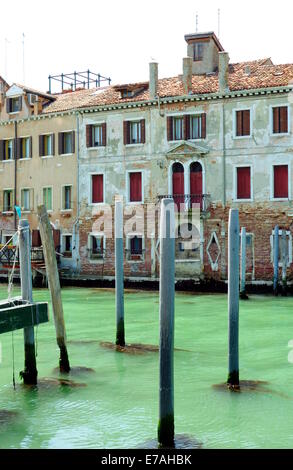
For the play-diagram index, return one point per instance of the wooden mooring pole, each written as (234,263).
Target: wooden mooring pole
(233,299)
(167,295)
(119,274)
(243,294)
(276,260)
(284,262)
(54,286)
(30,373)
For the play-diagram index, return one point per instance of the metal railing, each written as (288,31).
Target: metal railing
(186,201)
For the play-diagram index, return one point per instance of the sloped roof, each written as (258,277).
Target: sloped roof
(242,76)
(35,92)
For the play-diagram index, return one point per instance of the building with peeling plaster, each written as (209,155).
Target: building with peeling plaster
(219,135)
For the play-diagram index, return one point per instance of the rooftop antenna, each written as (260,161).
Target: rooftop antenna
(23,62)
(219,22)
(196,24)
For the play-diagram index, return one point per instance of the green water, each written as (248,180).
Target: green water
(119,406)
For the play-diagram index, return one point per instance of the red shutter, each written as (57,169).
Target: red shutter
(169,128)
(178,184)
(203,126)
(97,189)
(281,181)
(60,143)
(243,183)
(196,183)
(238,123)
(73,141)
(36,239)
(135,187)
(104,134)
(276,120)
(56,238)
(126,130)
(246,123)
(284,119)
(89,135)
(142,131)
(186,124)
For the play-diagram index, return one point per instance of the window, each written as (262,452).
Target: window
(178,188)
(97,189)
(96,135)
(186,127)
(135,247)
(66,198)
(47,145)
(187,246)
(24,147)
(243,190)
(26,196)
(47,198)
(281,182)
(135,187)
(6,149)
(66,142)
(96,246)
(196,184)
(134,132)
(280,120)
(8,202)
(243,123)
(198,51)
(67,246)
(177,128)
(14,105)
(197,129)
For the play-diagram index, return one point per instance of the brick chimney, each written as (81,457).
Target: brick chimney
(154,74)
(223,72)
(187,75)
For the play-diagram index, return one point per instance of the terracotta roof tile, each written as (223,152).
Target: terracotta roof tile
(242,76)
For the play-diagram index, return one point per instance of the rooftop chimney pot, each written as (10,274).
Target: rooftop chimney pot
(154,75)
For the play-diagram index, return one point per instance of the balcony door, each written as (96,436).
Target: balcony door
(196,184)
(178,183)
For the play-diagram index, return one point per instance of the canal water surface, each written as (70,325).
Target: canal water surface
(116,406)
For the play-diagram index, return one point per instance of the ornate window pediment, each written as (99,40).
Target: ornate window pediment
(187,149)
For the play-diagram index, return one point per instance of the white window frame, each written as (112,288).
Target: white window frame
(94,204)
(63,235)
(101,235)
(234,123)
(272,198)
(235,188)
(52,193)
(67,132)
(129,236)
(290,253)
(282,134)
(128,187)
(9,189)
(137,119)
(49,134)
(25,211)
(13,150)
(26,158)
(63,197)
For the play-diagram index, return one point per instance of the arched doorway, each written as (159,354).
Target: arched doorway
(178,183)
(196,184)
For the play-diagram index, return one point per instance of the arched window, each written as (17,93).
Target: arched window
(178,183)
(196,183)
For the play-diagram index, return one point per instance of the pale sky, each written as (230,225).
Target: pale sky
(119,38)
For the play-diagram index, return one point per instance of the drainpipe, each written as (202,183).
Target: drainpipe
(76,223)
(15,173)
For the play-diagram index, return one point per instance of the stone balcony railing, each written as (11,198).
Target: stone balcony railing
(185,202)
